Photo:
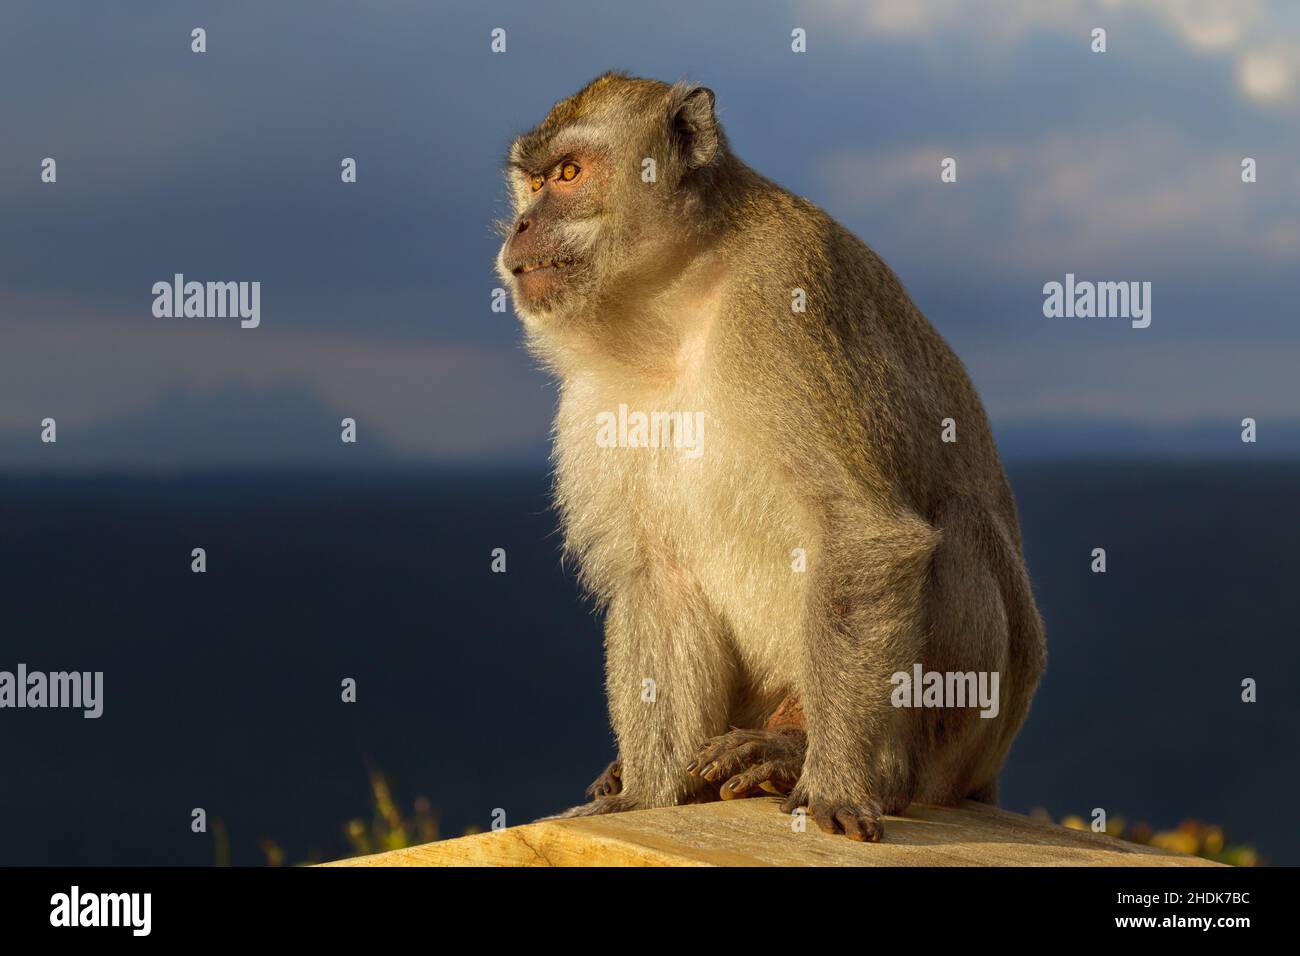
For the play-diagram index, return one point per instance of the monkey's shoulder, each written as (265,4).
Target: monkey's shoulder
(797,275)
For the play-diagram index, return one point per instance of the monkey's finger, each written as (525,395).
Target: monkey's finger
(713,749)
(607,784)
(729,762)
(751,781)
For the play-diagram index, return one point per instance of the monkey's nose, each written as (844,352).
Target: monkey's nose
(523,226)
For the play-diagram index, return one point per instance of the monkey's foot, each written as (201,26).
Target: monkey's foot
(609,783)
(857,820)
(752,761)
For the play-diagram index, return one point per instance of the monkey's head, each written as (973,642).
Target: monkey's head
(610,194)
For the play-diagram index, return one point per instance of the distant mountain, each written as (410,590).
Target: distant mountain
(288,426)
(1061,440)
(244,426)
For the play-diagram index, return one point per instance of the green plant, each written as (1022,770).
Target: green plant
(1191,836)
(387,828)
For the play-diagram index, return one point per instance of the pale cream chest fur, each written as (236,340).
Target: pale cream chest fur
(708,514)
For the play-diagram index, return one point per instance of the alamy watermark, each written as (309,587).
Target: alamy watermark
(75,908)
(208,300)
(634,429)
(1101,300)
(946,689)
(79,690)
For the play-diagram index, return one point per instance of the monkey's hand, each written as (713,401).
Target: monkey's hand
(858,820)
(608,783)
(752,761)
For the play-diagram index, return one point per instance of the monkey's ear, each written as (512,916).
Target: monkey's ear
(696,127)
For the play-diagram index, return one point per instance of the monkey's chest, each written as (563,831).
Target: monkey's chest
(674,492)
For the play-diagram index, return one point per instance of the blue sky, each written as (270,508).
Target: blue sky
(376,296)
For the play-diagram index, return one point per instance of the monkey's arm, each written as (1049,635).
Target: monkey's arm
(669,677)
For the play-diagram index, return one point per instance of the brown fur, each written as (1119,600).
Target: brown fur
(822,432)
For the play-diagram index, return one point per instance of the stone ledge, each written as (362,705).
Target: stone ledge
(754,832)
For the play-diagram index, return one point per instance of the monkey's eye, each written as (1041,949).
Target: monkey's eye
(536,182)
(569,172)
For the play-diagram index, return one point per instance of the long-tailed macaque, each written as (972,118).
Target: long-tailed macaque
(773,475)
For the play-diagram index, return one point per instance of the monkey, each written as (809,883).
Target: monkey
(760,597)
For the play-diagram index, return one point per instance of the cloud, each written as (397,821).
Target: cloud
(1261,39)
(1142,192)
(1266,75)
(439,402)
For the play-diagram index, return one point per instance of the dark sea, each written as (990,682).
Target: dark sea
(481,691)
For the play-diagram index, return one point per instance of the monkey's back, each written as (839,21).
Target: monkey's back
(861,347)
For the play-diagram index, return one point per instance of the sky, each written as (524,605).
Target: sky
(376,295)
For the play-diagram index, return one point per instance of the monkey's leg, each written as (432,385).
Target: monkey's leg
(865,623)
(981,617)
(669,677)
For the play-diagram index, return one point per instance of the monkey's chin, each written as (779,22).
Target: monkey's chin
(539,291)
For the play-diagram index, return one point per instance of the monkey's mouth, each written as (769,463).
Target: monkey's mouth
(561,262)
